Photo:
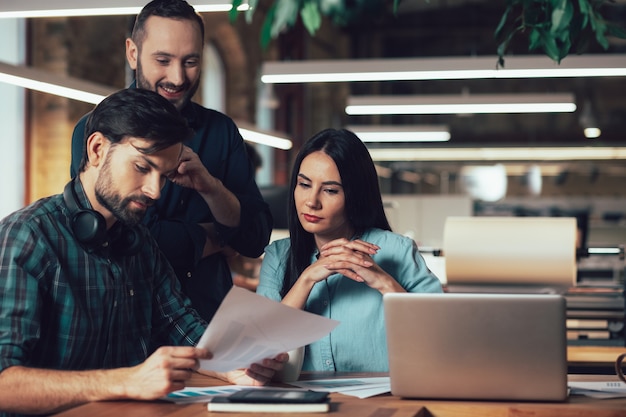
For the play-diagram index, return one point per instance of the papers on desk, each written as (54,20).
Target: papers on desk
(605,389)
(248,327)
(356,387)
(201,394)
(369,387)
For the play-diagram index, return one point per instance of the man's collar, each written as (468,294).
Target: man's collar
(81,196)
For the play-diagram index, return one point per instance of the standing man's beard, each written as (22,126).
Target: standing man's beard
(114,203)
(190,90)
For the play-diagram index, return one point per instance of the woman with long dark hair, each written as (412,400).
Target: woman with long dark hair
(341,256)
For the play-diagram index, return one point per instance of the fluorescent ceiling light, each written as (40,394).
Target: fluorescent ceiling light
(44,81)
(499,154)
(88,92)
(605,251)
(463,68)
(592,132)
(461,104)
(273,139)
(60,8)
(404,133)
(522,169)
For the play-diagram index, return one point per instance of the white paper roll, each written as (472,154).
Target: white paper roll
(510,250)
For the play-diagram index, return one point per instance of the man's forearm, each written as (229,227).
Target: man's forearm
(224,205)
(41,391)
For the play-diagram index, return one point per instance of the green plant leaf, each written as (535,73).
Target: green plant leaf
(534,39)
(585,11)
(266,28)
(252,4)
(285,15)
(502,23)
(616,31)
(395,6)
(564,45)
(311,17)
(550,47)
(504,45)
(562,16)
(585,7)
(233,12)
(554,26)
(600,34)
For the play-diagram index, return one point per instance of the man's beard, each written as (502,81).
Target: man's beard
(144,84)
(113,202)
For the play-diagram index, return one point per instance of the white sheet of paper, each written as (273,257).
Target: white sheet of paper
(598,389)
(356,387)
(248,327)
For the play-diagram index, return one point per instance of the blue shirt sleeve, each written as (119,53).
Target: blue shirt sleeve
(399,256)
(273,269)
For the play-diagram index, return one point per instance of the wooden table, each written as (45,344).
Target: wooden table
(379,406)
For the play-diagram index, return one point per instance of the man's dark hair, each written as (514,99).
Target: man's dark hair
(137,113)
(171,9)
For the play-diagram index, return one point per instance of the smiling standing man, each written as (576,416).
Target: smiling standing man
(223,211)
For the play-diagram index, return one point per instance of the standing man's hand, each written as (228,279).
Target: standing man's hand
(191,173)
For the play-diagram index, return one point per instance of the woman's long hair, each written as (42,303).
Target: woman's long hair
(363,202)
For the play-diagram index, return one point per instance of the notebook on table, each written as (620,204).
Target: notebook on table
(477,346)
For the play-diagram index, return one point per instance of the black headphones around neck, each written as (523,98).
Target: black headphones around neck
(89,227)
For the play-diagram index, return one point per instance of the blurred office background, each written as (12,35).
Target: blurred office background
(37,126)
(513,163)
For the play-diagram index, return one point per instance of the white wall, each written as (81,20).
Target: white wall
(12,120)
(213,79)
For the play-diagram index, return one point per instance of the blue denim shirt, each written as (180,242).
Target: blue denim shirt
(358,343)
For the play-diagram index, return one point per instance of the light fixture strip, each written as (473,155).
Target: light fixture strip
(70,12)
(604,251)
(401,133)
(35,79)
(462,108)
(449,68)
(71,8)
(390,137)
(265,139)
(461,104)
(499,154)
(52,89)
(44,81)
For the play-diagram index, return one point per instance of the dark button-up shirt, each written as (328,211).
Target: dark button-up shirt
(174,219)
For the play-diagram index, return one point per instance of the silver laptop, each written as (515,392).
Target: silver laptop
(477,346)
